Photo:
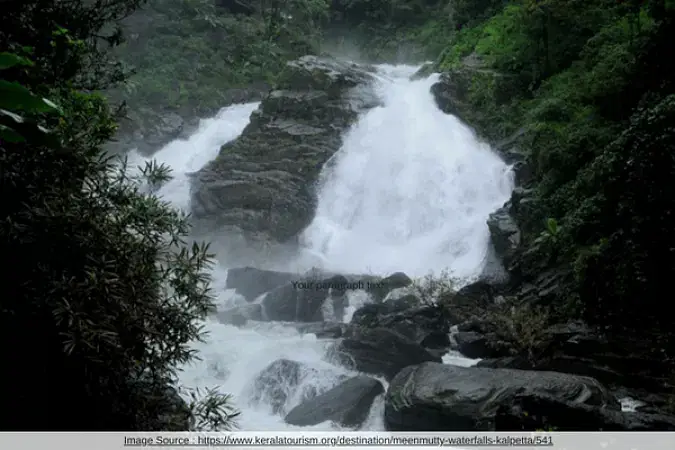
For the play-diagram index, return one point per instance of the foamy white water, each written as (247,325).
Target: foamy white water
(409,191)
(184,156)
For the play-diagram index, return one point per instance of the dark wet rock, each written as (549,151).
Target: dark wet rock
(380,289)
(240,315)
(493,271)
(521,207)
(294,302)
(378,351)
(149,129)
(577,339)
(261,184)
(505,235)
(302,300)
(544,288)
(537,412)
(281,381)
(369,315)
(347,404)
(424,325)
(556,363)
(424,72)
(472,345)
(323,330)
(477,296)
(250,282)
(441,397)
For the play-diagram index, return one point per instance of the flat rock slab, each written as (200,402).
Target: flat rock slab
(441,397)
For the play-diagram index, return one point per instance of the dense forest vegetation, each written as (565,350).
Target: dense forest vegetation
(98,308)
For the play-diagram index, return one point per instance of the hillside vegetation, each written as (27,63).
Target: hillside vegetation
(589,87)
(101,294)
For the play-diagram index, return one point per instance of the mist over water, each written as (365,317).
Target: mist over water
(409,191)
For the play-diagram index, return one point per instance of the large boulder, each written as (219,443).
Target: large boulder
(441,397)
(261,185)
(379,351)
(285,380)
(425,325)
(302,300)
(250,282)
(347,404)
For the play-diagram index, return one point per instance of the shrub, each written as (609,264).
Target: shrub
(102,295)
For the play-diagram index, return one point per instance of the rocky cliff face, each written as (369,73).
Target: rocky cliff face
(452,93)
(261,186)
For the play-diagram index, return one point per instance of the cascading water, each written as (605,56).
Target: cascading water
(409,191)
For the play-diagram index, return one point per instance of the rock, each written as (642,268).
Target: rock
(556,363)
(323,330)
(536,412)
(480,294)
(295,302)
(302,300)
(505,235)
(453,89)
(472,345)
(424,325)
(251,282)
(521,207)
(261,184)
(347,404)
(441,397)
(281,381)
(544,289)
(240,315)
(424,72)
(369,315)
(379,351)
(379,289)
(493,271)
(577,339)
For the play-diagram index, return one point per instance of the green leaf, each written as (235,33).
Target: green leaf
(8,60)
(15,117)
(552,226)
(14,96)
(10,135)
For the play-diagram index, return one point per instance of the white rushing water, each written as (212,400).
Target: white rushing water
(409,191)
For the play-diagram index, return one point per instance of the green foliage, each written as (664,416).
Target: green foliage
(102,294)
(16,99)
(212,411)
(187,54)
(552,226)
(595,100)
